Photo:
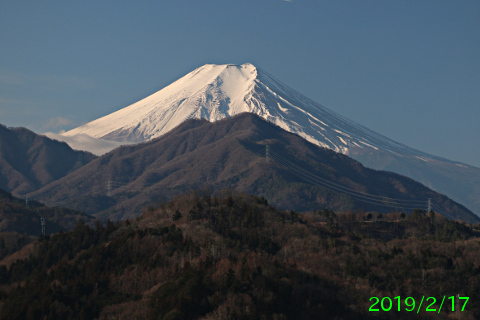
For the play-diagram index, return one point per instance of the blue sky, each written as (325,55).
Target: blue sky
(407,69)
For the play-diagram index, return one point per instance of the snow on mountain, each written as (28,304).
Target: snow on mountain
(214,92)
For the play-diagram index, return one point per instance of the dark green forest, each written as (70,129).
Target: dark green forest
(227,255)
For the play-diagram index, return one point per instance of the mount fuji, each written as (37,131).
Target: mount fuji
(214,92)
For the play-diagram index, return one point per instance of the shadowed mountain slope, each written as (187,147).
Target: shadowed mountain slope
(29,161)
(230,153)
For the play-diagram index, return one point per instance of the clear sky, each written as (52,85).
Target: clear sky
(409,70)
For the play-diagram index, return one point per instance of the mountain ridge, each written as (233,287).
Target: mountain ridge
(29,161)
(230,153)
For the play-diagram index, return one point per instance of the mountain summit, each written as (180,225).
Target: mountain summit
(214,92)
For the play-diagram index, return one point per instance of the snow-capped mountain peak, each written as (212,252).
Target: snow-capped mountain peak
(214,92)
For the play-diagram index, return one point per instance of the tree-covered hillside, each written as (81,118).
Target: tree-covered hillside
(231,153)
(232,256)
(20,221)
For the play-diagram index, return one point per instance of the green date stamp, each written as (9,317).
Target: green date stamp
(388,304)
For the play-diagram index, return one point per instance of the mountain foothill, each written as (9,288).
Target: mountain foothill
(29,161)
(230,153)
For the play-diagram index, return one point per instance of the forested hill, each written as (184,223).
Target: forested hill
(29,161)
(230,153)
(23,216)
(232,256)
(20,221)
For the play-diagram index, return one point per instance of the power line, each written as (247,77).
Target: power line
(442,212)
(308,176)
(358,195)
(376,197)
(362,196)
(303,173)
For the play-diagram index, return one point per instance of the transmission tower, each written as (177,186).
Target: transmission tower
(43,225)
(26,201)
(267,153)
(429,205)
(109,188)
